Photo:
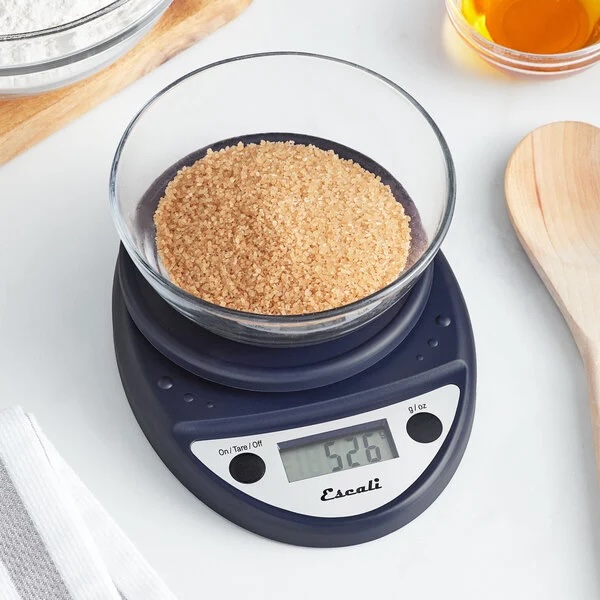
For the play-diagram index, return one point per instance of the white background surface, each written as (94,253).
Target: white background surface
(519,519)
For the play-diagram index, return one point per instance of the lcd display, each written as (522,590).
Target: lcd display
(337,450)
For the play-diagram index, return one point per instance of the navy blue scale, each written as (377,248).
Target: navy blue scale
(185,384)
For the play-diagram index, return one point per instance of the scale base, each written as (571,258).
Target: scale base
(176,408)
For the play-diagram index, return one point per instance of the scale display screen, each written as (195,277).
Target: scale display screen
(338,450)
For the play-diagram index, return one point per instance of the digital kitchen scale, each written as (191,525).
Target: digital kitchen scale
(332,444)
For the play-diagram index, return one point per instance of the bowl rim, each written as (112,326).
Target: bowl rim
(463,26)
(406,279)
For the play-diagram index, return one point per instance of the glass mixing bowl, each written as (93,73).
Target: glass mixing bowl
(43,60)
(290,92)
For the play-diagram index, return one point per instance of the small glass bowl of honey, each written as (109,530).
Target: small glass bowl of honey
(531,36)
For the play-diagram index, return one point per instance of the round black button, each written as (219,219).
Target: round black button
(424,427)
(247,467)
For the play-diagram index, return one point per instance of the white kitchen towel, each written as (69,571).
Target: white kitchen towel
(56,540)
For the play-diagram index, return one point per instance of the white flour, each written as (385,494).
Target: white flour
(36,63)
(20,16)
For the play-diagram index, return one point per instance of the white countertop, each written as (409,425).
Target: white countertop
(520,519)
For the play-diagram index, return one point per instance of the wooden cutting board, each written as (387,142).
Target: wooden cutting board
(26,121)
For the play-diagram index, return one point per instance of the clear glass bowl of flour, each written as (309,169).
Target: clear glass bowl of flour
(48,44)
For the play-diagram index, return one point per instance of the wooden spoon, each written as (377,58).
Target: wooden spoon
(553,195)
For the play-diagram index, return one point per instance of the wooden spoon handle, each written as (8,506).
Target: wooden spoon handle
(591,358)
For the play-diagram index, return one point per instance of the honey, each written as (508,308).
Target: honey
(536,26)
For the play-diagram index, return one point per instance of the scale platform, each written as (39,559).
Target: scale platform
(328,445)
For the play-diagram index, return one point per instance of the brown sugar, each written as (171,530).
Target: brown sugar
(280,228)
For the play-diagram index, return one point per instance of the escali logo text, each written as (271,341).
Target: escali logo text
(328,494)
